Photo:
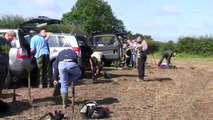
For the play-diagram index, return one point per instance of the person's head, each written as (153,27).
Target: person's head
(32,33)
(43,32)
(128,41)
(139,39)
(10,35)
(120,37)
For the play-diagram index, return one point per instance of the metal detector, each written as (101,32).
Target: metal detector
(29,87)
(73,98)
(154,59)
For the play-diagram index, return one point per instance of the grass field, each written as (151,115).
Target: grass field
(186,56)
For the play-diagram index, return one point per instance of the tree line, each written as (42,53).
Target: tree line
(87,16)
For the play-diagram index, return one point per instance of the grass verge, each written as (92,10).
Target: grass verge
(185,56)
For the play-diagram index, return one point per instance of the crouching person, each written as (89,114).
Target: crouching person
(66,71)
(96,64)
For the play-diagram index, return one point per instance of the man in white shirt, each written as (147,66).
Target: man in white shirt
(142,56)
(96,64)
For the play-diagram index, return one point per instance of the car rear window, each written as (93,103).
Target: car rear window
(63,42)
(105,40)
(53,42)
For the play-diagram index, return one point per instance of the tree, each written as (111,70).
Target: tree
(11,21)
(94,15)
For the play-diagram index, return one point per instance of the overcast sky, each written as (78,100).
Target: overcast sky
(162,19)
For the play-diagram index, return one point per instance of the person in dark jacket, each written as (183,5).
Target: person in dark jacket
(167,54)
(4,56)
(66,67)
(4,64)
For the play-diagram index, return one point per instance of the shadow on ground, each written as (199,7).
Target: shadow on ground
(121,75)
(47,101)
(158,79)
(104,101)
(17,107)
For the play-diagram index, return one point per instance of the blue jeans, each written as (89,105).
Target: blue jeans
(132,59)
(68,72)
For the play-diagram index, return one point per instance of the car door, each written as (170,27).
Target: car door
(109,44)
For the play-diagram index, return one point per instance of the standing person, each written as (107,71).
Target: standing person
(41,52)
(127,54)
(4,56)
(133,53)
(142,56)
(66,66)
(167,54)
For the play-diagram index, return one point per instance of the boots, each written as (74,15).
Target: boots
(64,97)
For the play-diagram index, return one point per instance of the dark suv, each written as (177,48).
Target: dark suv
(109,45)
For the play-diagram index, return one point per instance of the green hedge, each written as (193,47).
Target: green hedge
(201,46)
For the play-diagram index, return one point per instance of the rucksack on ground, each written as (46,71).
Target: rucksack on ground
(91,110)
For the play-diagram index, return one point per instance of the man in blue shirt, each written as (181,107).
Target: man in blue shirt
(66,66)
(40,50)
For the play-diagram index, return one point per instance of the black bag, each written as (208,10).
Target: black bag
(92,110)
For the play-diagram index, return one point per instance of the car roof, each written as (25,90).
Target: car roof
(104,35)
(40,20)
(65,34)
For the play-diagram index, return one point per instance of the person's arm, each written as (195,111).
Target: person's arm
(144,45)
(47,36)
(91,65)
(161,60)
(32,45)
(55,68)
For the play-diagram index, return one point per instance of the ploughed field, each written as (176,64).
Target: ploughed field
(182,93)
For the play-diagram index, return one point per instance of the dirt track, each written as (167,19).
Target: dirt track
(183,93)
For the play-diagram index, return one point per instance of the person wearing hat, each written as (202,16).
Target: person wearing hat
(141,50)
(4,56)
(167,54)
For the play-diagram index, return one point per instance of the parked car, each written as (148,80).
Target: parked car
(79,43)
(20,62)
(109,45)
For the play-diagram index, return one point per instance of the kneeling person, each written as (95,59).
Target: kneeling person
(67,68)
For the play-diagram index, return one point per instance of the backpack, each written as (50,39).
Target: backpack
(91,110)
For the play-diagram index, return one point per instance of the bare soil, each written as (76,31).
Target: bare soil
(185,93)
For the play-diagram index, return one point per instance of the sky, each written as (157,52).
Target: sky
(164,20)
